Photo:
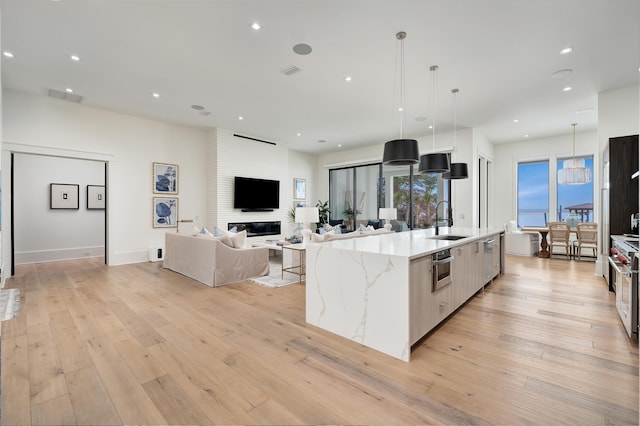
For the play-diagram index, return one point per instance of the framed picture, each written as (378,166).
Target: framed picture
(95,197)
(165,212)
(165,178)
(64,196)
(299,203)
(299,189)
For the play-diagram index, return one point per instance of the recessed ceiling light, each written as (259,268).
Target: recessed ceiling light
(400,109)
(566,50)
(240,117)
(515,120)
(561,73)
(7,54)
(430,126)
(302,49)
(347,78)
(197,107)
(255,26)
(298,134)
(155,95)
(75,57)
(68,90)
(339,145)
(526,136)
(566,89)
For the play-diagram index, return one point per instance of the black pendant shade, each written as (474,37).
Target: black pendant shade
(434,163)
(401,152)
(457,171)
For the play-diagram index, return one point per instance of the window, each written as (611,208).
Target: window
(533,193)
(577,199)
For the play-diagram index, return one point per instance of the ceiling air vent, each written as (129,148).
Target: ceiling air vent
(64,96)
(290,70)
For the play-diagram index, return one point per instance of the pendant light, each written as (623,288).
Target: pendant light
(574,172)
(457,170)
(401,152)
(436,162)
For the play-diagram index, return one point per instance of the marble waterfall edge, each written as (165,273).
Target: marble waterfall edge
(361,296)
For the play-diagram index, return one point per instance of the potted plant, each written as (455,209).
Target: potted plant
(323,213)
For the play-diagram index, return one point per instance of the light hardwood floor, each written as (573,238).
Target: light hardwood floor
(138,344)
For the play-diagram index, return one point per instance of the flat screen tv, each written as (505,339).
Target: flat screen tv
(256,194)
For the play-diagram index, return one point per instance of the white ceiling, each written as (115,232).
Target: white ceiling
(499,53)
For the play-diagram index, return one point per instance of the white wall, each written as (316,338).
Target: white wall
(229,156)
(508,155)
(42,234)
(618,114)
(207,160)
(130,144)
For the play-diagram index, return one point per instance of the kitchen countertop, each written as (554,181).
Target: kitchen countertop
(410,244)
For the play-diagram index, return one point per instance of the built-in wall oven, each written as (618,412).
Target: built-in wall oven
(441,262)
(624,263)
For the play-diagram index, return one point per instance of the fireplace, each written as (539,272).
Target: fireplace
(256,229)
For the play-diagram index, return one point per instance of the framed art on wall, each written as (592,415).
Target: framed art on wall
(95,197)
(299,189)
(64,196)
(299,203)
(165,212)
(165,178)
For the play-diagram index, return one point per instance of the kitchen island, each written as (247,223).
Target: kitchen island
(377,290)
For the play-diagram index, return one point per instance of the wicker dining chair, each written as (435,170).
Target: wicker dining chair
(587,237)
(559,236)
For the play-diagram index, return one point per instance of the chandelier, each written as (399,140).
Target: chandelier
(574,171)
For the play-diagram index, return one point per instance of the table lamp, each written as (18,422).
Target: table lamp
(388,214)
(306,216)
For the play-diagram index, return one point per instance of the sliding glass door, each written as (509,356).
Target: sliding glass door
(356,194)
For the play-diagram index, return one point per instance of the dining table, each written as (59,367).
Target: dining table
(543,231)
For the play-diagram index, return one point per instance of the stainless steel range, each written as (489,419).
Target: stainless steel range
(625,264)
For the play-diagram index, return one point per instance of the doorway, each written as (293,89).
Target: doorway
(42,229)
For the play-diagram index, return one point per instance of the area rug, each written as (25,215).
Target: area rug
(9,303)
(275,279)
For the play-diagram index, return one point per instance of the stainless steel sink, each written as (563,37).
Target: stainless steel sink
(448,237)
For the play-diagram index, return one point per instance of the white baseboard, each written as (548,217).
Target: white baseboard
(39,256)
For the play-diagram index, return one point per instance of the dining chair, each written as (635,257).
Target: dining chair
(587,237)
(559,236)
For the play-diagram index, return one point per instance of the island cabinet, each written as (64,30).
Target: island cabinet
(466,272)
(426,307)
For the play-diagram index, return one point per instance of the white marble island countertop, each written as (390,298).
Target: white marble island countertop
(411,244)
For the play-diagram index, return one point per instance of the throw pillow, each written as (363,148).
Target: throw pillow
(217,232)
(239,239)
(317,238)
(224,240)
(362,227)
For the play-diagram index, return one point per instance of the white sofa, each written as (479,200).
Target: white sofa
(520,243)
(212,261)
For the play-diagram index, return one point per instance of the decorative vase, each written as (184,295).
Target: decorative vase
(573,219)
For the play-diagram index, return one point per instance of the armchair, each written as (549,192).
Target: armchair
(518,242)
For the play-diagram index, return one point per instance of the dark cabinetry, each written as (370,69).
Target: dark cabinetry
(623,190)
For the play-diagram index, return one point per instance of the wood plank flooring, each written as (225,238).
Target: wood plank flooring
(138,344)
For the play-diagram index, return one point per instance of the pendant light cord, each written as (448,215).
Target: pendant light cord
(401,36)
(574,144)
(455,111)
(433,69)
